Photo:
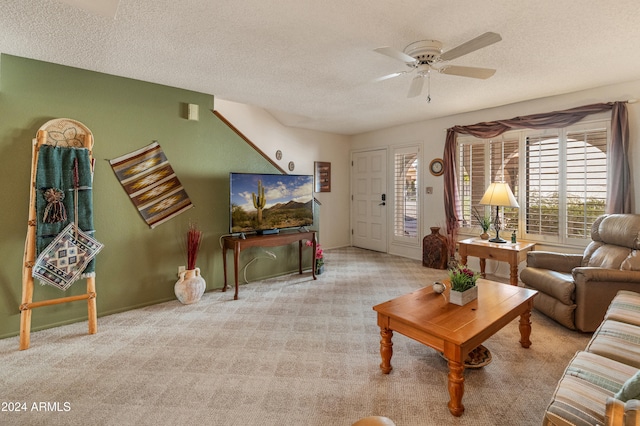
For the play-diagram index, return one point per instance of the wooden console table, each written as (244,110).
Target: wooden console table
(512,253)
(272,240)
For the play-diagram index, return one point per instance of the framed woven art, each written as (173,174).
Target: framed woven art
(322,176)
(151,183)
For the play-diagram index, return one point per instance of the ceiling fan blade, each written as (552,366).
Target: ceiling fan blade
(479,42)
(416,86)
(388,76)
(472,72)
(395,54)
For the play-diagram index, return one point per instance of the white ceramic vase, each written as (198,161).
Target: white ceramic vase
(190,287)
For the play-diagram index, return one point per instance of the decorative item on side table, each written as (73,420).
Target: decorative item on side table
(484,222)
(319,258)
(463,285)
(191,286)
(435,250)
(452,246)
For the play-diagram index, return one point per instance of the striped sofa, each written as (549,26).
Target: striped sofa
(586,393)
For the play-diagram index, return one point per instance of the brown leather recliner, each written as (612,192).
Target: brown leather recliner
(575,290)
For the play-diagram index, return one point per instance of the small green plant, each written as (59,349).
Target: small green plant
(483,221)
(462,278)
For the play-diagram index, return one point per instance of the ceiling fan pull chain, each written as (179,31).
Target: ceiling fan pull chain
(429,87)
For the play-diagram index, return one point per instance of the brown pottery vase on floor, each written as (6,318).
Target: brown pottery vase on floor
(435,253)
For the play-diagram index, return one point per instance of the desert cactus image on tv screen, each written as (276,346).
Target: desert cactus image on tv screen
(259,201)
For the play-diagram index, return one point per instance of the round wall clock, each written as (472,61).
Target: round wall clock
(279,155)
(291,166)
(436,167)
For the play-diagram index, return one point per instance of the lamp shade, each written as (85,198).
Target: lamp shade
(499,194)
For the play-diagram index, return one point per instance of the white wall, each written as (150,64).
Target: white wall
(303,147)
(432,134)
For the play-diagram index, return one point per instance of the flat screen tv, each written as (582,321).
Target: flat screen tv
(265,203)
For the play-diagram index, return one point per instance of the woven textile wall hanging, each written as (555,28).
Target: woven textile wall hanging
(151,183)
(64,211)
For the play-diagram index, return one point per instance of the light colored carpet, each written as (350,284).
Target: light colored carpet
(290,351)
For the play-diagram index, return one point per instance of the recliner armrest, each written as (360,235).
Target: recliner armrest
(560,262)
(614,412)
(589,273)
(618,413)
(632,413)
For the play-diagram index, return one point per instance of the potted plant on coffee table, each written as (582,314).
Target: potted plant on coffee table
(463,285)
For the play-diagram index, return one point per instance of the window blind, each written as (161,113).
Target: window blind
(406,196)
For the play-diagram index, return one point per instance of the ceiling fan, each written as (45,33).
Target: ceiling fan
(426,55)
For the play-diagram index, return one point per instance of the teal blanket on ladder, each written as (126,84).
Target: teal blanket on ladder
(55,172)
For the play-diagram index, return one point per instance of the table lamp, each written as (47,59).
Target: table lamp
(498,194)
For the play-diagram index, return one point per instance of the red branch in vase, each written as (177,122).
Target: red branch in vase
(194,238)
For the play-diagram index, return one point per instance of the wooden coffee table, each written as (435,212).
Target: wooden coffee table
(454,330)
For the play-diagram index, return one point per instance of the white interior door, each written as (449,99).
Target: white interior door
(369,200)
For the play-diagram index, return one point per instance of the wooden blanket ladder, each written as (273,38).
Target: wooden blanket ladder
(66,133)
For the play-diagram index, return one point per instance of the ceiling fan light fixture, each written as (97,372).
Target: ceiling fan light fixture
(426,55)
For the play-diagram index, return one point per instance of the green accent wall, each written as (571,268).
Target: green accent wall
(138,265)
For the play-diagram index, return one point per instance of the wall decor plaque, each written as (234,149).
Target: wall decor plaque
(322,176)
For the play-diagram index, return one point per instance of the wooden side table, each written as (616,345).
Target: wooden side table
(512,253)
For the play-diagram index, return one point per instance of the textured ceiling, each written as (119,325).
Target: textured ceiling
(312,64)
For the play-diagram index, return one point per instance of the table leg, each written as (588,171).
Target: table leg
(513,276)
(525,329)
(456,388)
(386,350)
(483,266)
(313,256)
(236,260)
(224,267)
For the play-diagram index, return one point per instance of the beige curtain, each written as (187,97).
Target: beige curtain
(618,190)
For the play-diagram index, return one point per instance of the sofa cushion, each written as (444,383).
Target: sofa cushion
(625,307)
(581,395)
(555,309)
(618,341)
(558,285)
(630,389)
